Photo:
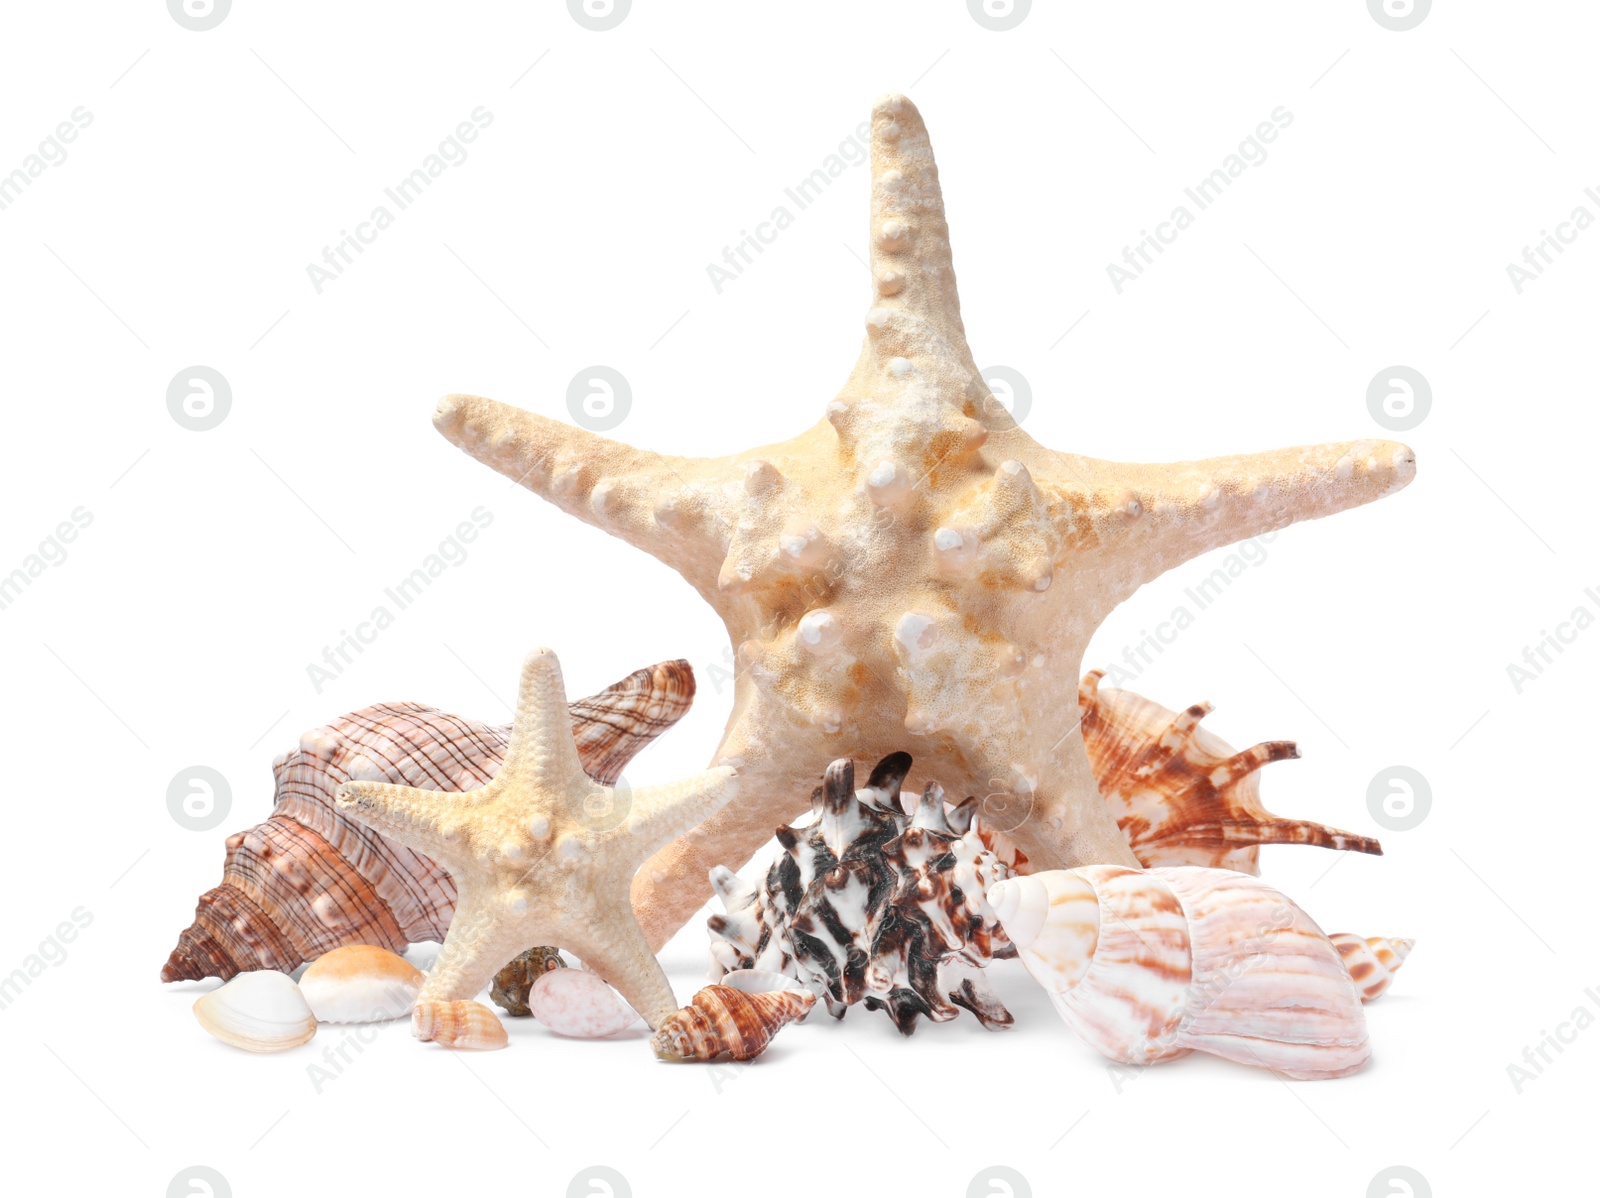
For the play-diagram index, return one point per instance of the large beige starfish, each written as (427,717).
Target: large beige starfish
(543,854)
(915,571)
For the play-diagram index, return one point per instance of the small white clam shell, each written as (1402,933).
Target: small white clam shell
(577,1003)
(360,983)
(261,1011)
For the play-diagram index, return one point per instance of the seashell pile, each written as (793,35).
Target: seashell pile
(262,1011)
(720,1020)
(879,900)
(1150,965)
(512,984)
(458,1024)
(311,878)
(360,983)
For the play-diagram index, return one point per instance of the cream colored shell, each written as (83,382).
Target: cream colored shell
(1149,965)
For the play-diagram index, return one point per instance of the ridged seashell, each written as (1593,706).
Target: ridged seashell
(880,899)
(723,1020)
(512,984)
(577,1003)
(360,983)
(262,1011)
(311,879)
(1149,965)
(1180,794)
(459,1024)
(1371,960)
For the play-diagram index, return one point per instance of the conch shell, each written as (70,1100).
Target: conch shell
(1180,794)
(261,1011)
(459,1024)
(1150,965)
(311,879)
(722,1020)
(1372,960)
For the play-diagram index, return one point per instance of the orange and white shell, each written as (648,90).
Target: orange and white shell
(1149,965)
(1371,960)
(459,1024)
(723,1020)
(361,983)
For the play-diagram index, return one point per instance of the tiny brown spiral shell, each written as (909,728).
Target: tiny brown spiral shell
(1371,960)
(719,1020)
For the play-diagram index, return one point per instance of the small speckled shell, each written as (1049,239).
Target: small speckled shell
(458,1024)
(720,1020)
(515,980)
(1372,960)
(1149,965)
(577,1003)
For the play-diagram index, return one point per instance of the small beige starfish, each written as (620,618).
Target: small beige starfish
(543,854)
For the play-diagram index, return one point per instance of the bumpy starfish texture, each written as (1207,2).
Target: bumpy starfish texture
(914,571)
(543,854)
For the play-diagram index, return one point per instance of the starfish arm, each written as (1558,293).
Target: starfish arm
(411,816)
(478,943)
(542,753)
(612,486)
(1162,516)
(613,946)
(657,814)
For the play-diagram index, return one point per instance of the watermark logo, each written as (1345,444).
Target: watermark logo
(199,398)
(199,1181)
(197,16)
(1399,398)
(999,15)
(999,1181)
(1399,798)
(199,798)
(599,1181)
(599,15)
(599,398)
(604,807)
(1010,388)
(1397,16)
(1399,1181)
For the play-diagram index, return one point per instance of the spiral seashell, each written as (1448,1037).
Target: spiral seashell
(311,879)
(458,1024)
(1180,794)
(723,1020)
(1372,961)
(262,1011)
(1150,965)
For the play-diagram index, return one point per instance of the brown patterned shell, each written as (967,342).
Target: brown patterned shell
(720,1020)
(513,983)
(1180,794)
(310,879)
(1371,960)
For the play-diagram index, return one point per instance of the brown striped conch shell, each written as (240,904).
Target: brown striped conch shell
(458,1024)
(1180,794)
(1372,960)
(1150,965)
(312,878)
(262,1011)
(511,985)
(360,983)
(721,1020)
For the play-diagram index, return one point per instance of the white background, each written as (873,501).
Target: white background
(219,564)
